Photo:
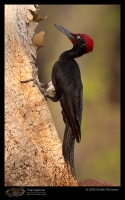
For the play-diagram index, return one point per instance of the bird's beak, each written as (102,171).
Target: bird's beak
(65,31)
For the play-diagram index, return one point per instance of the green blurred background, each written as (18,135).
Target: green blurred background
(98,154)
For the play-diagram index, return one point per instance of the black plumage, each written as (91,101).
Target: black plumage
(66,78)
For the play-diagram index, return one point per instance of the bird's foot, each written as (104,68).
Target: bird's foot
(46,88)
(39,85)
(42,87)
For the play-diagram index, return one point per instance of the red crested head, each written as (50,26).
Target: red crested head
(80,39)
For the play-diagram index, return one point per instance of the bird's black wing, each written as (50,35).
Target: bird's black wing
(68,86)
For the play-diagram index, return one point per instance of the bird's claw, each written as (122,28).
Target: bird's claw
(42,87)
(42,90)
(37,83)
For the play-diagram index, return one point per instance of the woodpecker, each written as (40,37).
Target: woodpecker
(67,88)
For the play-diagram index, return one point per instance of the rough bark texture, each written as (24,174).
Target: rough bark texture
(33,151)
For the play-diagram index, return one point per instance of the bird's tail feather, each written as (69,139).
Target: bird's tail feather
(68,148)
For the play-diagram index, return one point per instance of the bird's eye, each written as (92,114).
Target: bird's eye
(78,37)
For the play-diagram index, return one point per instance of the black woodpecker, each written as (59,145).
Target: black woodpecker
(67,86)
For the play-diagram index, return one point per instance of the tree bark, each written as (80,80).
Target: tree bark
(33,150)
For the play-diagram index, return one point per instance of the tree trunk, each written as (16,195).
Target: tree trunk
(33,150)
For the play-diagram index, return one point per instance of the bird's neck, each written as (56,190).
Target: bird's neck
(72,53)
